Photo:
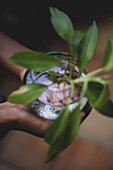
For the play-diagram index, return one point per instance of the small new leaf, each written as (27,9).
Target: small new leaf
(26,94)
(36,61)
(62,24)
(63,131)
(87,46)
(108,56)
(54,78)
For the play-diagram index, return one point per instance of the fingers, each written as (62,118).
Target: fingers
(21,117)
(8,47)
(32,123)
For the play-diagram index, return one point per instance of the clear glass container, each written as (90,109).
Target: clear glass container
(52,101)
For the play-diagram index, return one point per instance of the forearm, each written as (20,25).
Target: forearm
(13,116)
(8,47)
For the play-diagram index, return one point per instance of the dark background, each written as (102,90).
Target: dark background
(28,22)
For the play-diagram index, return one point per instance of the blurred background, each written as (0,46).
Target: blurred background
(28,22)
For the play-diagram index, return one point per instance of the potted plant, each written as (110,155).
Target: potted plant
(58,82)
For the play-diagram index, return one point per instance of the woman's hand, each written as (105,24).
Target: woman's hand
(14,116)
(21,117)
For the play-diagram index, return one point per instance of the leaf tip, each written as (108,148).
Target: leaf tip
(50,7)
(10,99)
(51,10)
(11,59)
(94,22)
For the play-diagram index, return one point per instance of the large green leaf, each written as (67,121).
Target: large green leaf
(77,37)
(36,61)
(63,131)
(108,57)
(62,24)
(27,93)
(98,95)
(106,109)
(87,46)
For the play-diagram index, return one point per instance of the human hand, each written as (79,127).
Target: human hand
(14,116)
(21,117)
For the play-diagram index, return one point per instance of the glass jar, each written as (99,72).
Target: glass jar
(52,101)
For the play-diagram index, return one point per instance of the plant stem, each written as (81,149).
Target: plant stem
(90,75)
(95,72)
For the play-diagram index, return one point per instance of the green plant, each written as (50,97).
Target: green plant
(94,85)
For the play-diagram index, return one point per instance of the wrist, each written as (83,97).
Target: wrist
(21,73)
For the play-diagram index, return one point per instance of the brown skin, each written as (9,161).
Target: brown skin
(14,116)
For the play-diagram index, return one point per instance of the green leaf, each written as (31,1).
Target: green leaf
(77,37)
(97,80)
(106,109)
(27,93)
(54,78)
(36,61)
(63,131)
(62,24)
(97,93)
(108,56)
(87,46)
